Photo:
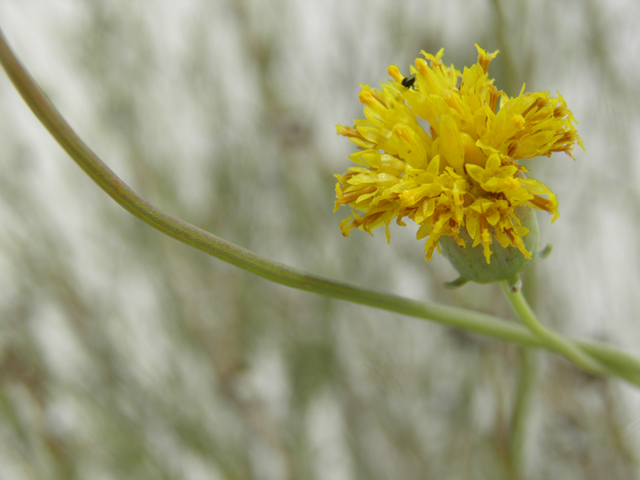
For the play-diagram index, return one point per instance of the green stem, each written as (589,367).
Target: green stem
(521,410)
(625,365)
(564,346)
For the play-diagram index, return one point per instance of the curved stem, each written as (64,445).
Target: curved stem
(106,179)
(625,365)
(566,347)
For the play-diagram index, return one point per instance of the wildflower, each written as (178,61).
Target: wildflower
(442,147)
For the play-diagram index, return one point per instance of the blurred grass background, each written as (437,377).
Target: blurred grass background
(124,354)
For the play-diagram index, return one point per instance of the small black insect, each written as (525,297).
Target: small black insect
(408,81)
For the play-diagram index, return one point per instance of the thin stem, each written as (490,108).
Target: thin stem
(106,179)
(564,346)
(521,410)
(624,365)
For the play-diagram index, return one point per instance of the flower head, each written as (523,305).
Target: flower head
(441,148)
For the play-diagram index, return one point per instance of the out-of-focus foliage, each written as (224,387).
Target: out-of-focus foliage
(124,354)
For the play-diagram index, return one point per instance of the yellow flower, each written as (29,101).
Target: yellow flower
(441,148)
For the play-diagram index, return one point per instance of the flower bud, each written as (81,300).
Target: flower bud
(505,262)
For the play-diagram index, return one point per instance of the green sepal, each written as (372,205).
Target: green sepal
(505,263)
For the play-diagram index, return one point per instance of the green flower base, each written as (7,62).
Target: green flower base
(504,264)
